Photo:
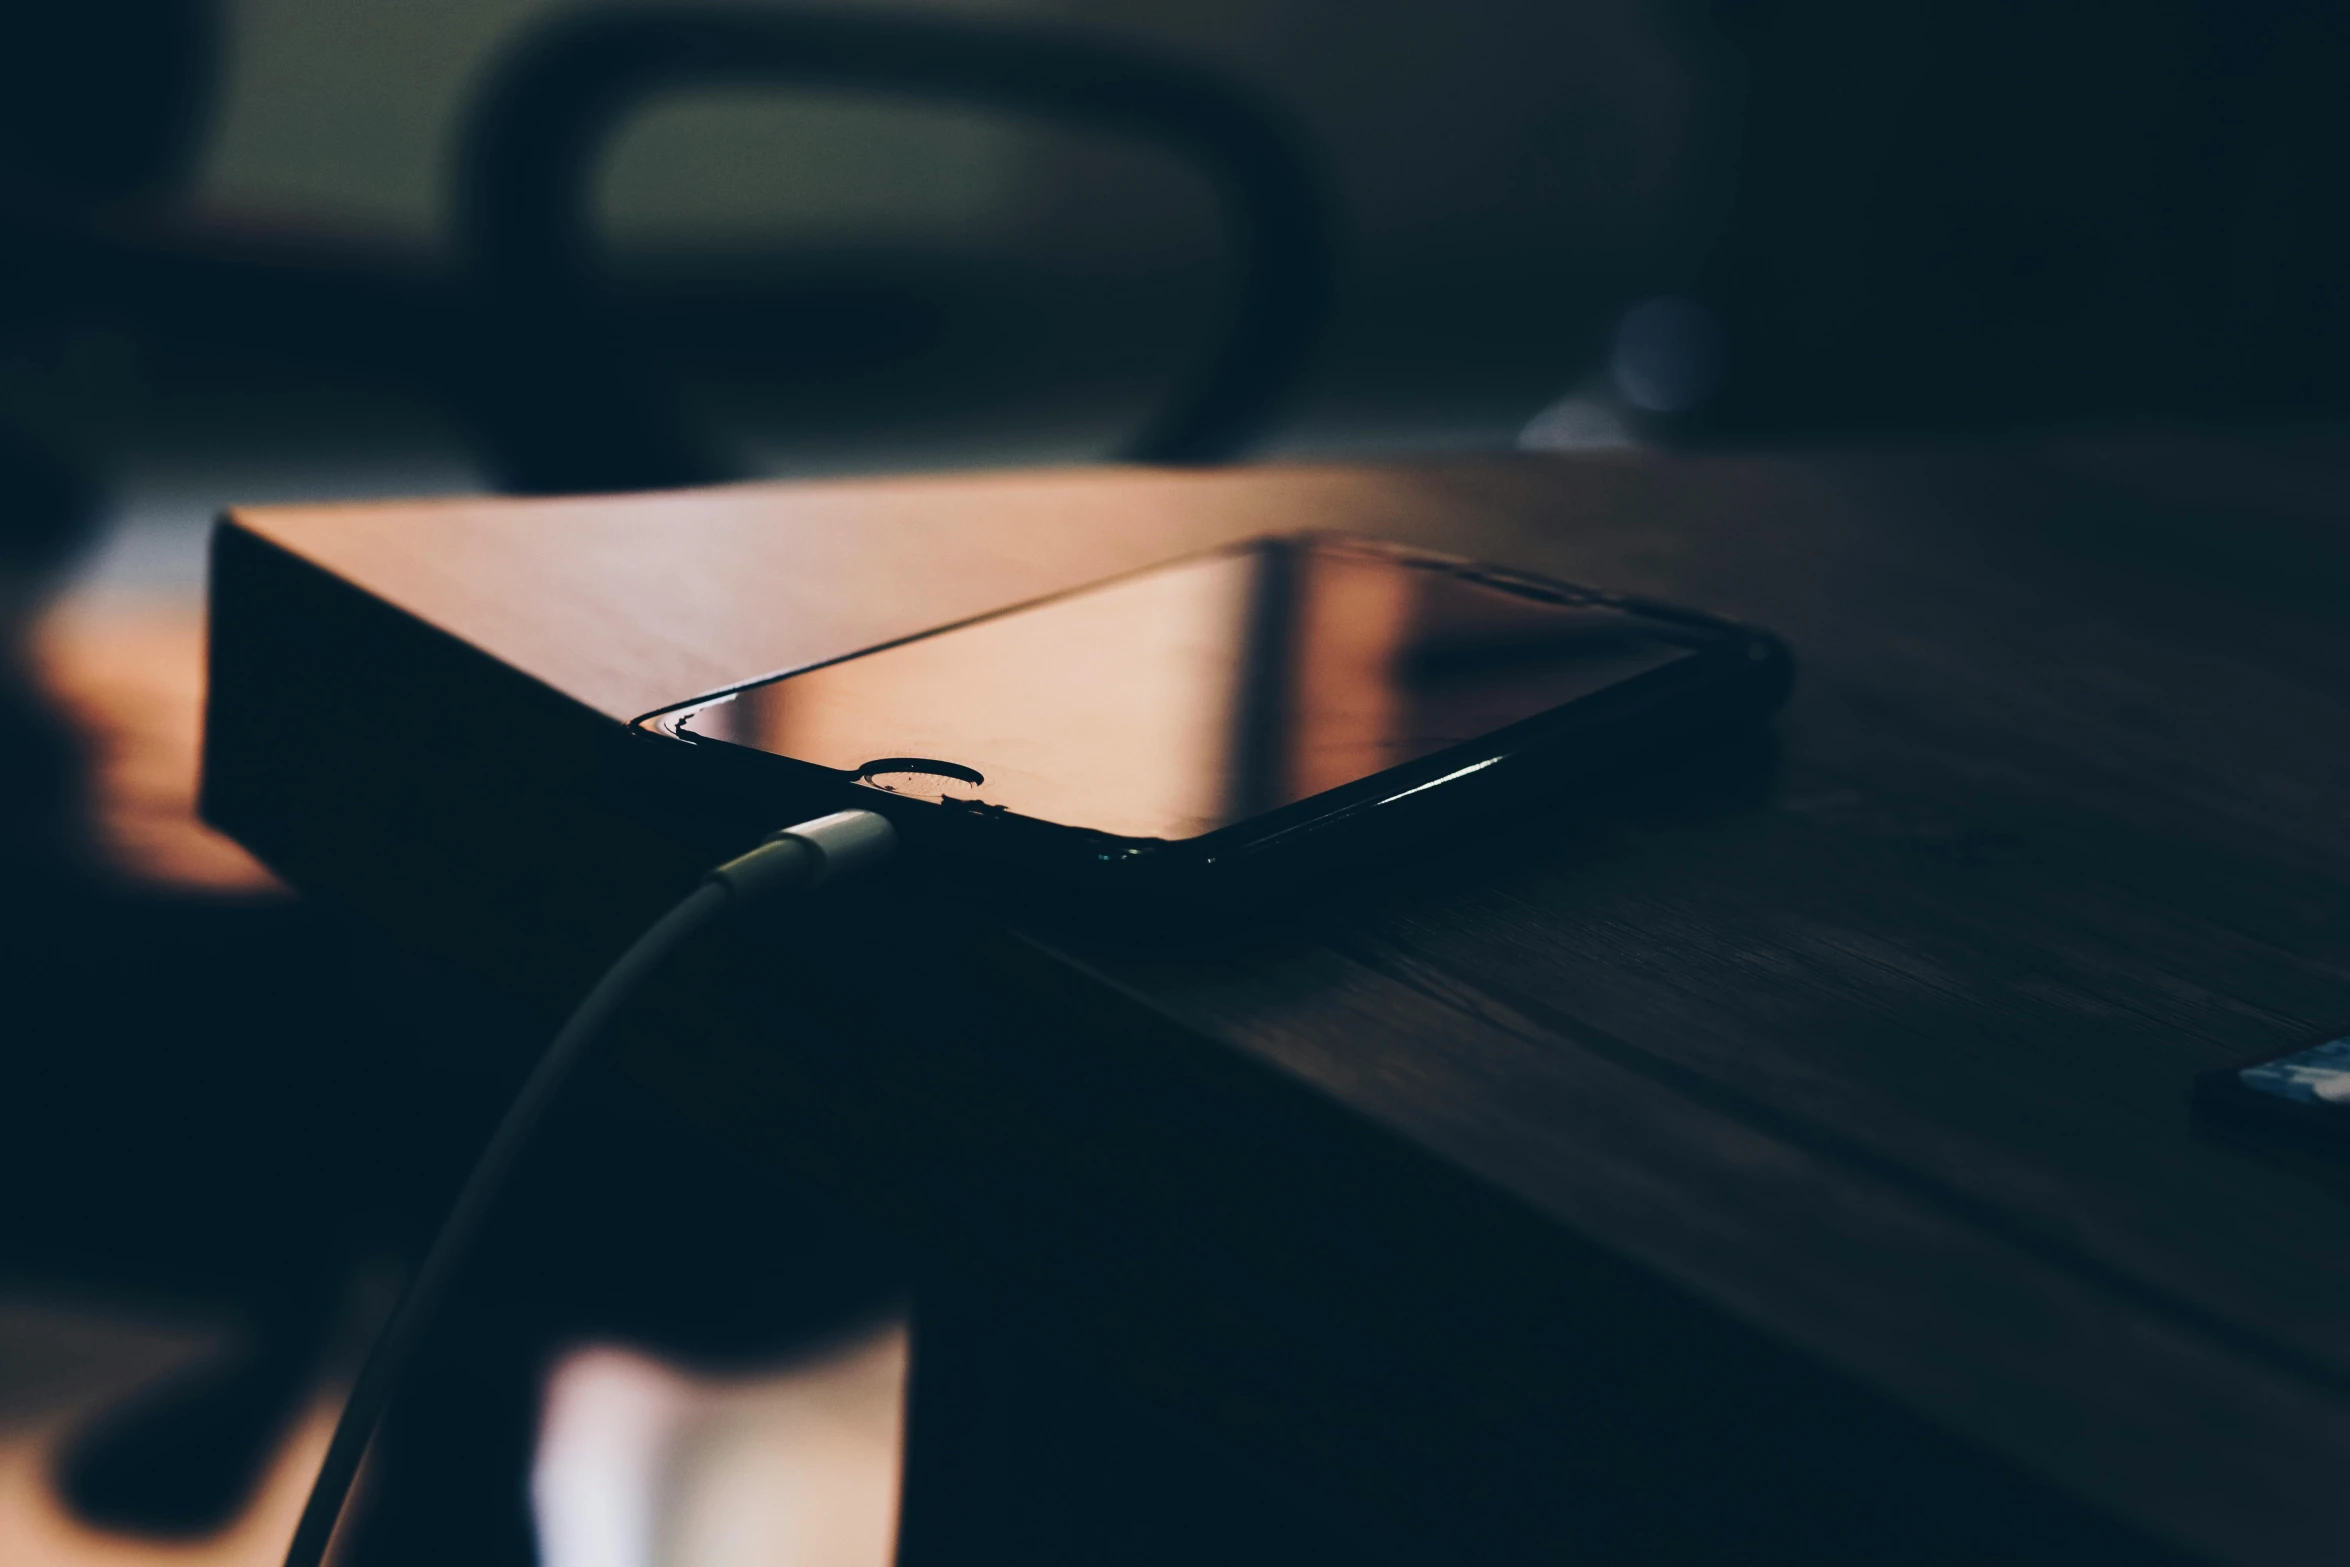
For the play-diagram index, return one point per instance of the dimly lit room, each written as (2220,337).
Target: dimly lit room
(1006,783)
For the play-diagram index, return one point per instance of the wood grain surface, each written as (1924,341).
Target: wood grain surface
(1804,1134)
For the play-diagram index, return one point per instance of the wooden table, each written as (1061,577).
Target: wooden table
(1779,1162)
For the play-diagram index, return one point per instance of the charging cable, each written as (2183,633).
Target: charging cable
(797,859)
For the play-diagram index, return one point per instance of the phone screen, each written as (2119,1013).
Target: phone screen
(1206,692)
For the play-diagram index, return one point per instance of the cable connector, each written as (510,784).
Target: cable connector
(846,843)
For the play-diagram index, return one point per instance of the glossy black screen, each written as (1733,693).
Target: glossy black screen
(1194,695)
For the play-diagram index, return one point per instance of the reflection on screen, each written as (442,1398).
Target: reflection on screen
(1183,699)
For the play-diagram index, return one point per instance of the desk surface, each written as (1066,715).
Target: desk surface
(1761,1131)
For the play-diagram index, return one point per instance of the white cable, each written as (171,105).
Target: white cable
(815,853)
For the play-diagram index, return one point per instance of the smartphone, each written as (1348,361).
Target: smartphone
(1246,714)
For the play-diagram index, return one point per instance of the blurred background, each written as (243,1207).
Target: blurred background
(246,256)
